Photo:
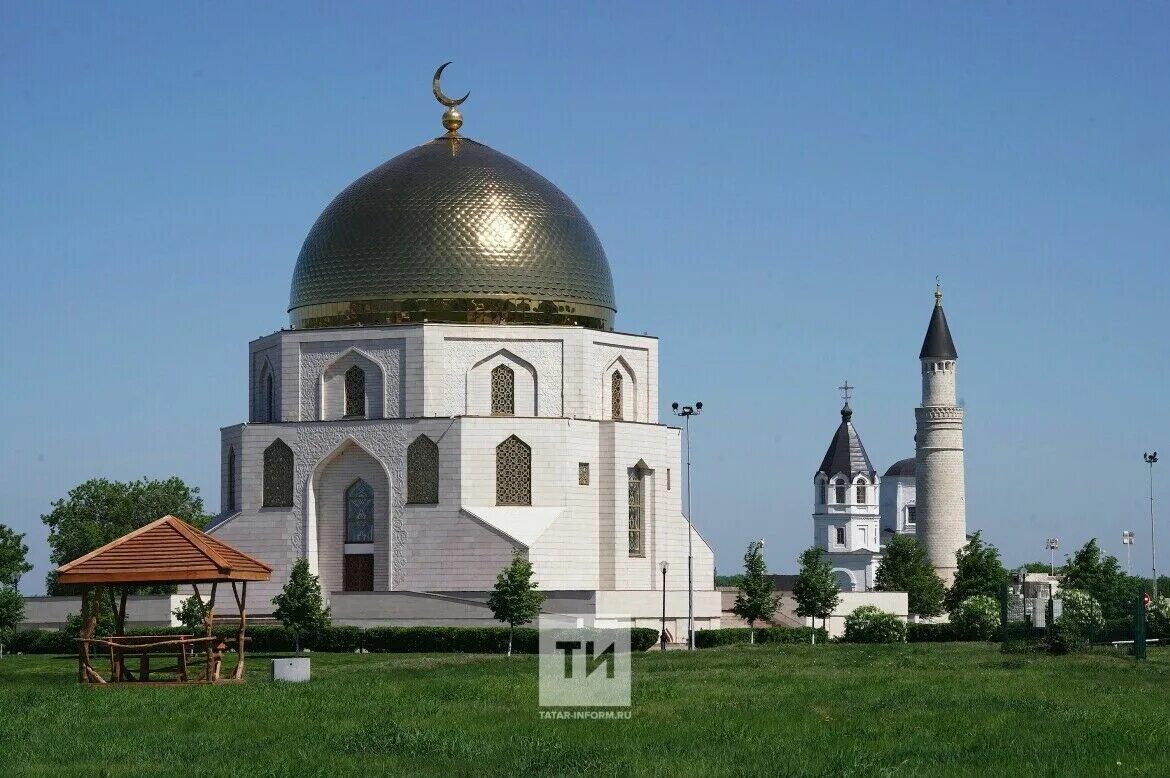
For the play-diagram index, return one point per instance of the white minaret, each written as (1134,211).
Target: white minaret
(941,486)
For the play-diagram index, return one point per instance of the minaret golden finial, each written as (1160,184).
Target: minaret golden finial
(937,292)
(452,119)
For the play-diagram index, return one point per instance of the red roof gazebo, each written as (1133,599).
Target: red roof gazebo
(166,551)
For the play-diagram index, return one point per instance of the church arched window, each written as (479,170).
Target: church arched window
(513,472)
(355,391)
(278,475)
(861,493)
(422,471)
(822,491)
(359,513)
(503,391)
(839,488)
(231,479)
(615,395)
(637,506)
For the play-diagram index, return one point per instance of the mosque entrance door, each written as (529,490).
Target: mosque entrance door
(358,573)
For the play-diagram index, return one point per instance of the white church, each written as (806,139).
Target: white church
(451,391)
(856,512)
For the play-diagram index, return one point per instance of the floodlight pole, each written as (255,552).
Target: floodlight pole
(1150,460)
(687,412)
(665,567)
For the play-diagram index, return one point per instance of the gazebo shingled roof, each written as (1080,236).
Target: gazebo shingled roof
(165,551)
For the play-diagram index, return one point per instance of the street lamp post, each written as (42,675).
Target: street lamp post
(1052,544)
(1150,460)
(665,567)
(1127,541)
(687,412)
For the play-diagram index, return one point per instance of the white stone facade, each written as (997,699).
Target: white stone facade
(940,481)
(898,506)
(849,532)
(436,380)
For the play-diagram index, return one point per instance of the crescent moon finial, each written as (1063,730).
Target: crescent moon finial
(452,119)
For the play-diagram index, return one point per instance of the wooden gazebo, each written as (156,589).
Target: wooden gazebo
(167,551)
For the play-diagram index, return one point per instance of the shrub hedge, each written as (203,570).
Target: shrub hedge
(931,633)
(870,624)
(340,639)
(710,638)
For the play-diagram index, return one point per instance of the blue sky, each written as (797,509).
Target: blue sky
(776,186)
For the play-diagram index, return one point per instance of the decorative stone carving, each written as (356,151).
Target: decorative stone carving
(545,356)
(317,356)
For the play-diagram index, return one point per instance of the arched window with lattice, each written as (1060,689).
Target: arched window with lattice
(355,391)
(615,395)
(359,513)
(513,472)
(231,479)
(278,475)
(839,489)
(637,505)
(862,493)
(503,391)
(422,471)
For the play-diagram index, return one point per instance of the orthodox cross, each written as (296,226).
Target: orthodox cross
(845,390)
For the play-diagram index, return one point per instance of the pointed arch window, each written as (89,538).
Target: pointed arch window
(422,471)
(355,392)
(513,472)
(231,480)
(861,493)
(359,513)
(637,506)
(503,391)
(615,395)
(839,488)
(269,399)
(278,475)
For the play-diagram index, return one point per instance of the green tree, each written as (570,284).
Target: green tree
(905,568)
(978,571)
(99,511)
(1090,570)
(11,613)
(1039,567)
(977,618)
(815,591)
(515,598)
(192,614)
(755,600)
(299,606)
(13,557)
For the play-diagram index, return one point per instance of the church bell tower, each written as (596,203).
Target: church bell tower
(941,486)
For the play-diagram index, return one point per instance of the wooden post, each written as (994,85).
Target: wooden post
(122,611)
(208,621)
(241,600)
(82,646)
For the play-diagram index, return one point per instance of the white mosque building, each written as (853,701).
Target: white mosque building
(856,512)
(451,392)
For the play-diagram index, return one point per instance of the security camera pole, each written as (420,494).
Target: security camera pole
(687,412)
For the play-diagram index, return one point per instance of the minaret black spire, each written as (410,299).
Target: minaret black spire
(938,343)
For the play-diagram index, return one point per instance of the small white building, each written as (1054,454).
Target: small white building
(845,513)
(452,392)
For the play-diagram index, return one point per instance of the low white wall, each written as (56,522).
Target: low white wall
(147,610)
(896,603)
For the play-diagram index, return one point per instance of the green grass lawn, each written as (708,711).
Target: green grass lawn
(942,709)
